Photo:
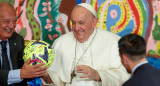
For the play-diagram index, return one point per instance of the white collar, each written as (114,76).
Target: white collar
(1,40)
(139,64)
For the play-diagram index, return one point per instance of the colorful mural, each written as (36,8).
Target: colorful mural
(38,19)
(48,19)
(132,16)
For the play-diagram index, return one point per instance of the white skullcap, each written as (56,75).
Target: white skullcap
(89,7)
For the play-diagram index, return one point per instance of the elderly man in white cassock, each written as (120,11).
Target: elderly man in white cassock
(87,56)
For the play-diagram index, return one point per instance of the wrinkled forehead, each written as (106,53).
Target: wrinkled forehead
(8,13)
(7,8)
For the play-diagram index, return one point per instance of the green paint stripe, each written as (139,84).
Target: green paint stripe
(144,14)
(98,11)
(91,2)
(33,23)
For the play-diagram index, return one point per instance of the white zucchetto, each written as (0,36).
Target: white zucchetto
(89,7)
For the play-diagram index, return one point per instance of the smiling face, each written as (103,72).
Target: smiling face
(7,21)
(83,23)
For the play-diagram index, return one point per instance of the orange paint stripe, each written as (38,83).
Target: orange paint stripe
(136,14)
(125,18)
(19,21)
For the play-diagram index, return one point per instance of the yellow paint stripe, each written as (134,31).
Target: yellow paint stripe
(159,18)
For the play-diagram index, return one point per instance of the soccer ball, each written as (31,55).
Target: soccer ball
(39,51)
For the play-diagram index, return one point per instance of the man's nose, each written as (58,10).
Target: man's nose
(76,27)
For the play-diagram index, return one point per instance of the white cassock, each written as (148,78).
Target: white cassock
(100,52)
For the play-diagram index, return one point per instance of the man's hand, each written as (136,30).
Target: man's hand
(88,72)
(32,71)
(47,78)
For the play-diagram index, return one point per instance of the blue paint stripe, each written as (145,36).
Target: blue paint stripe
(147,13)
(78,1)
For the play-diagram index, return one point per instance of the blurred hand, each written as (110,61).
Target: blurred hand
(32,71)
(47,78)
(88,72)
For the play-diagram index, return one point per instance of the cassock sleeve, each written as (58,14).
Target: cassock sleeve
(115,74)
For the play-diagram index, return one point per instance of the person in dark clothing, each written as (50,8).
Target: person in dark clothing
(132,50)
(13,70)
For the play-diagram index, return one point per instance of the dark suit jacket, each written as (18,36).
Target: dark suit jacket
(16,44)
(145,75)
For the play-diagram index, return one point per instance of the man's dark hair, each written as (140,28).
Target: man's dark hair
(133,45)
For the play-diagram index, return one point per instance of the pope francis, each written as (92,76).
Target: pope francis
(87,56)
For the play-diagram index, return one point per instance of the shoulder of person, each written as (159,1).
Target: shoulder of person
(68,37)
(108,35)
(15,35)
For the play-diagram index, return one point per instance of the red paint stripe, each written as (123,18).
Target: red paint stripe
(136,14)
(19,7)
(19,21)
(125,18)
(96,6)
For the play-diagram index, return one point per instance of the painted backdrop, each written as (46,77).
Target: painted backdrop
(48,19)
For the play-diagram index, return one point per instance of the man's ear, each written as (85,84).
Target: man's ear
(95,20)
(125,59)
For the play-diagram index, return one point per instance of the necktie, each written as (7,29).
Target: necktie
(5,62)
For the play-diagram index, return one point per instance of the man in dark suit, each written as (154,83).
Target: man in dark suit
(11,52)
(132,50)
